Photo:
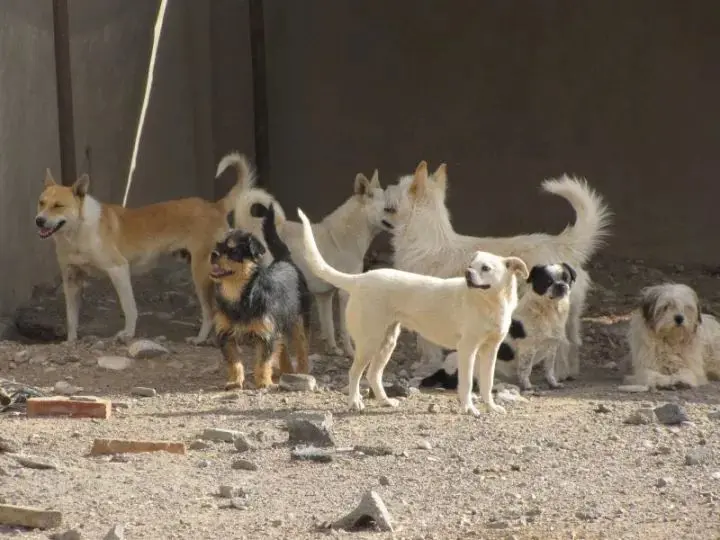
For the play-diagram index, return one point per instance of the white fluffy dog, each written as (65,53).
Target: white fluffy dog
(424,242)
(671,342)
(470,313)
(344,237)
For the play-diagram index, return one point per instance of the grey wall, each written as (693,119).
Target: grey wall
(506,93)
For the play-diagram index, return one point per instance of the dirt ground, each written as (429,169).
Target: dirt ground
(553,467)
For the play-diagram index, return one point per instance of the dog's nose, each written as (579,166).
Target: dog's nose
(679,319)
(560,289)
(40,221)
(214,256)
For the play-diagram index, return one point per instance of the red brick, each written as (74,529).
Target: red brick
(62,406)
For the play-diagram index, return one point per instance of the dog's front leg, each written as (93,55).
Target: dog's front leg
(120,277)
(72,288)
(485,372)
(324,303)
(466,352)
(343,298)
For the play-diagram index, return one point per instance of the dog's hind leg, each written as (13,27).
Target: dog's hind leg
(343,298)
(204,292)
(567,358)
(120,277)
(285,363)
(72,287)
(430,354)
(324,303)
(485,372)
(378,363)
(300,344)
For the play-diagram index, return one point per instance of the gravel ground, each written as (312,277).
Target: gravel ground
(563,464)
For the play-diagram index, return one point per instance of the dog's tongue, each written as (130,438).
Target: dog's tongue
(215,269)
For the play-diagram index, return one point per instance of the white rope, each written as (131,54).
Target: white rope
(148,85)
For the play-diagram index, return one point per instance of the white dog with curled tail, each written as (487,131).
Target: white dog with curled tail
(471,314)
(672,343)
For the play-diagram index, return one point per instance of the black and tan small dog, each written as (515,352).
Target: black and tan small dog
(270,304)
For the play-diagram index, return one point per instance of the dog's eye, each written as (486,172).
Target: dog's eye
(484,268)
(57,206)
(390,210)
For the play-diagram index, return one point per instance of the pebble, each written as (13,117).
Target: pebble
(116,533)
(33,462)
(433,408)
(199,445)
(671,414)
(380,450)
(603,409)
(697,456)
(587,515)
(497,524)
(242,443)
(204,464)
(244,465)
(297,382)
(72,534)
(713,415)
(715,475)
(614,437)
(424,445)
(145,348)
(664,482)
(384,480)
(230,492)
(114,363)
(219,435)
(642,416)
(143,391)
(8,445)
(238,504)
(21,357)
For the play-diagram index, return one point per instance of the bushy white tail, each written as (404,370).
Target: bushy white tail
(245,177)
(591,225)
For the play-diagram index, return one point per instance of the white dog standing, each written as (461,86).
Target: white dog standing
(671,342)
(471,313)
(425,242)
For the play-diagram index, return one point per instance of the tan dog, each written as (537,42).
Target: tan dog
(91,236)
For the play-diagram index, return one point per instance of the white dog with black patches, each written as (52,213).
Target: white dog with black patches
(671,342)
(425,242)
(470,313)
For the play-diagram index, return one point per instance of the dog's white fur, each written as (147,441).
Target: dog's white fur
(544,319)
(343,236)
(471,314)
(666,352)
(425,242)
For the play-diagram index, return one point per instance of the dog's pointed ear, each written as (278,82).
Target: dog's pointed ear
(375,180)
(49,180)
(257,250)
(440,177)
(648,303)
(517,265)
(571,271)
(362,185)
(534,272)
(230,219)
(418,188)
(81,186)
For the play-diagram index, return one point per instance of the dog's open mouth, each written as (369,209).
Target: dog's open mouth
(47,232)
(217,272)
(387,224)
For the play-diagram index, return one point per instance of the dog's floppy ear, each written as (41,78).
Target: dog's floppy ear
(648,303)
(571,271)
(258,210)
(362,185)
(517,265)
(375,180)
(230,219)
(81,186)
(257,250)
(440,177)
(418,188)
(49,180)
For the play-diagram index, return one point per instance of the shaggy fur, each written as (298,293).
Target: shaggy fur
(671,342)
(92,237)
(471,314)
(424,242)
(270,305)
(343,237)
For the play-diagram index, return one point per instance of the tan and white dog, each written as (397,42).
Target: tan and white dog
(425,242)
(671,342)
(91,237)
(470,313)
(343,237)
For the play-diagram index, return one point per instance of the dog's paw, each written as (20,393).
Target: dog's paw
(554,385)
(197,340)
(235,385)
(470,408)
(392,402)
(356,404)
(124,336)
(266,387)
(333,350)
(494,407)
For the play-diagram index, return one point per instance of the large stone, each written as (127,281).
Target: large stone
(310,429)
(145,348)
(114,363)
(297,382)
(371,510)
(220,435)
(671,414)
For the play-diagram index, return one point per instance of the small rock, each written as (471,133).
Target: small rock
(643,416)
(21,357)
(384,480)
(424,445)
(244,465)
(145,348)
(603,409)
(310,428)
(230,492)
(143,391)
(671,414)
(39,360)
(297,382)
(587,515)
(122,404)
(72,534)
(33,462)
(371,509)
(114,363)
(500,524)
(199,445)
(8,446)
(220,435)
(697,456)
(381,450)
(713,415)
(664,482)
(614,437)
(116,533)
(276,522)
(433,408)
(633,388)
(238,504)
(715,475)
(311,453)
(663,450)
(204,463)
(120,458)
(242,443)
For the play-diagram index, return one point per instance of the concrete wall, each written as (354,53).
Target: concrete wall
(506,93)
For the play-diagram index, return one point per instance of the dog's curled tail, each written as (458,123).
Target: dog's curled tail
(278,249)
(245,177)
(592,220)
(315,260)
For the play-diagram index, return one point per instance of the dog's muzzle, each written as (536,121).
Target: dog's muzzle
(560,290)
(473,280)
(679,319)
(44,229)
(389,226)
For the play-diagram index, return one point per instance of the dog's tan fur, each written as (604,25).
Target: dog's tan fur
(97,237)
